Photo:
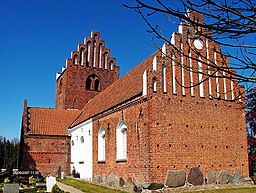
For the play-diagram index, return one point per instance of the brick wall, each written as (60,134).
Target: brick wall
(137,164)
(46,154)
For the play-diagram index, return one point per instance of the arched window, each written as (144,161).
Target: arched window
(111,65)
(101,145)
(93,83)
(121,141)
(82,56)
(99,55)
(88,53)
(94,51)
(88,83)
(72,142)
(75,59)
(96,84)
(105,58)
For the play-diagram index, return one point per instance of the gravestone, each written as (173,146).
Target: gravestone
(195,176)
(11,188)
(223,177)
(62,175)
(211,177)
(113,180)
(175,178)
(50,181)
(129,183)
(236,178)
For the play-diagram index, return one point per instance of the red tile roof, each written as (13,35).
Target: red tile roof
(127,87)
(46,121)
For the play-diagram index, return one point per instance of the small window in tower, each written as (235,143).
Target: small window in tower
(97,84)
(88,83)
(93,83)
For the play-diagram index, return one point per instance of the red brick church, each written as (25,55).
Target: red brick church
(160,116)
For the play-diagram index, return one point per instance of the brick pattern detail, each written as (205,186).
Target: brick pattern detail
(91,60)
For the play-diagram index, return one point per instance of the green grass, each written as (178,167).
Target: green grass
(88,187)
(235,190)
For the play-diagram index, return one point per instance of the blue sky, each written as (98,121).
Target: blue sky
(38,35)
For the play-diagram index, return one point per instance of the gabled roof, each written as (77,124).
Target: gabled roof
(124,89)
(47,121)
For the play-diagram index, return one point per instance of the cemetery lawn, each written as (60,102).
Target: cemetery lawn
(88,187)
(236,190)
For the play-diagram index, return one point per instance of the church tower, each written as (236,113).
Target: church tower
(89,71)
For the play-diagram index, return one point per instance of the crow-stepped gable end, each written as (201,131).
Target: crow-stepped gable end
(90,70)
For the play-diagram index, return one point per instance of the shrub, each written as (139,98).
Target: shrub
(55,189)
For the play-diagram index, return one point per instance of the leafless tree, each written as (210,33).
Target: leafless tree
(231,23)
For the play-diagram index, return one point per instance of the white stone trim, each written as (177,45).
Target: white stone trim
(173,38)
(209,72)
(164,50)
(173,75)
(155,63)
(145,84)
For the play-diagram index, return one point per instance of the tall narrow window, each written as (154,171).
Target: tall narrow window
(173,75)
(97,84)
(88,52)
(101,145)
(105,60)
(88,83)
(94,51)
(121,141)
(75,59)
(164,78)
(99,55)
(154,84)
(82,56)
(111,65)
(200,77)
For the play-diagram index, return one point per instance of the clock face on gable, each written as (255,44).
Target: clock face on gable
(198,43)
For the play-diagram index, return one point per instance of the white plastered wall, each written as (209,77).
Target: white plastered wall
(81,153)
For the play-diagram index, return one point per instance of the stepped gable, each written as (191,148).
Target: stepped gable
(89,70)
(124,89)
(47,121)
